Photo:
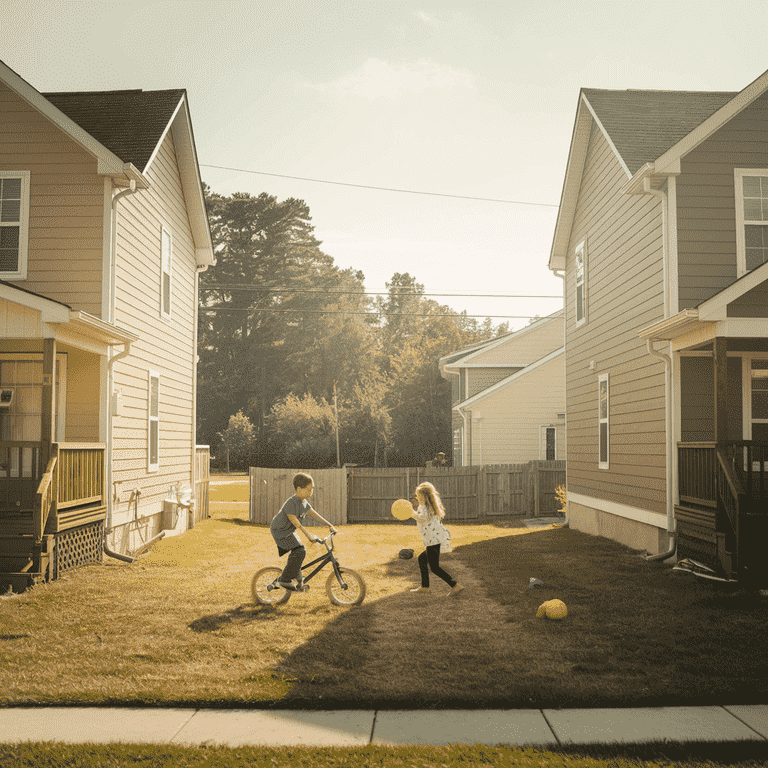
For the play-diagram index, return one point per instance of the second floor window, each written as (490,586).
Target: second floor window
(581,284)
(165,273)
(751,219)
(14,223)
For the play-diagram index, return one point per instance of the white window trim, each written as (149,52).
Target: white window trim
(581,247)
(163,314)
(21,272)
(543,441)
(738,188)
(607,421)
(153,467)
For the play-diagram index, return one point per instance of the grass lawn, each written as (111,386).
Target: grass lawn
(178,628)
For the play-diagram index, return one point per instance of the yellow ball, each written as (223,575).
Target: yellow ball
(552,609)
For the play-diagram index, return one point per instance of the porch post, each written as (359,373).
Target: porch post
(47,409)
(721,389)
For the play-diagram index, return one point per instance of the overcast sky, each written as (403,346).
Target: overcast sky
(466,98)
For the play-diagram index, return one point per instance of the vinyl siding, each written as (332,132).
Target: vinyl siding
(624,292)
(480,379)
(526,346)
(65,209)
(754,303)
(512,416)
(706,205)
(166,346)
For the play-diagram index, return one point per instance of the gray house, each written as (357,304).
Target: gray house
(662,238)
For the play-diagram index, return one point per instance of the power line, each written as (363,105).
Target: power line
(374,293)
(369,314)
(381,189)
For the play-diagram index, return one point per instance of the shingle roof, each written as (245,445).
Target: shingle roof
(643,125)
(128,123)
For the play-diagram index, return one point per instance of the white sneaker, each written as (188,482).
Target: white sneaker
(420,589)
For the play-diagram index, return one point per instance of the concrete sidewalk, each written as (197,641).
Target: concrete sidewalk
(352,728)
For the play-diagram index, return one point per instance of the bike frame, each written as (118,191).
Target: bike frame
(324,560)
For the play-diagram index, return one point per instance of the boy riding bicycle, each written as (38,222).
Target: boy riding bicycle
(285,526)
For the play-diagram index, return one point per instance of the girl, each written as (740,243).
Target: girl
(428,518)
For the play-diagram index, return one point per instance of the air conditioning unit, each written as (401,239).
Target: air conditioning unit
(6,399)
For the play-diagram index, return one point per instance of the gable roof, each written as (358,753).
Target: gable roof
(649,132)
(123,130)
(642,125)
(452,362)
(129,123)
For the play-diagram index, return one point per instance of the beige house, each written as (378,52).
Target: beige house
(103,232)
(662,238)
(509,396)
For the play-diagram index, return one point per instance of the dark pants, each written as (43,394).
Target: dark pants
(292,568)
(431,556)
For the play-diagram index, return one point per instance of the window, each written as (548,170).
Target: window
(603,411)
(153,426)
(165,273)
(14,223)
(581,283)
(759,402)
(548,443)
(751,219)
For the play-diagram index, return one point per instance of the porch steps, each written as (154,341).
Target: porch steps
(16,552)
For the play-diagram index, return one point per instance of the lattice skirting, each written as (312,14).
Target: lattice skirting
(78,546)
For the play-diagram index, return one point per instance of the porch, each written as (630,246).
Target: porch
(722,514)
(51,518)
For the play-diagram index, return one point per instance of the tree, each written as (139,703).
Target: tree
(238,439)
(302,432)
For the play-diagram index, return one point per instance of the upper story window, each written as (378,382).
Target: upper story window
(14,223)
(165,273)
(581,283)
(751,218)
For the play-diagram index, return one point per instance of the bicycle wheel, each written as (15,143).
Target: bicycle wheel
(354,594)
(260,584)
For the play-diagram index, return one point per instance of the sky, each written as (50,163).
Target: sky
(445,101)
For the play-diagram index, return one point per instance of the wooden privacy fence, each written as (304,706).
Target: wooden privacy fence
(271,487)
(202,481)
(469,493)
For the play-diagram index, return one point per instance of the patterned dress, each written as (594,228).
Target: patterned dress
(430,526)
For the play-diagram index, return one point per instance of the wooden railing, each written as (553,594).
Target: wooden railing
(748,459)
(45,498)
(19,458)
(80,474)
(697,476)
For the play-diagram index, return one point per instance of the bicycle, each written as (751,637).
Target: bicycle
(344,586)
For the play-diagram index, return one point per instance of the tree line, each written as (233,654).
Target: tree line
(299,367)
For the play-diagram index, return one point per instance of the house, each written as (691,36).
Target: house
(103,232)
(662,240)
(508,396)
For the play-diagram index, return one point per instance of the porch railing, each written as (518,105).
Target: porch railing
(697,477)
(749,460)
(80,474)
(45,498)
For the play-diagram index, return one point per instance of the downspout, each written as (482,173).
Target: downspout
(110,373)
(464,437)
(667,360)
(561,274)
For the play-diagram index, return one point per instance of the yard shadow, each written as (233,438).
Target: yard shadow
(243,614)
(637,634)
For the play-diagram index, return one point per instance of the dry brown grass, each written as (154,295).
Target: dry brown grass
(178,628)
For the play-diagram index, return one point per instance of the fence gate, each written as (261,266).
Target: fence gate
(202,481)
(271,487)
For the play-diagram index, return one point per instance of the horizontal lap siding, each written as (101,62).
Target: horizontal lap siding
(624,293)
(527,346)
(66,205)
(512,417)
(166,347)
(479,379)
(706,205)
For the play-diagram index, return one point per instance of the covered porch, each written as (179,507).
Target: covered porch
(719,396)
(53,453)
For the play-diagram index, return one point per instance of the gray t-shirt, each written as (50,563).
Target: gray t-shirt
(282,529)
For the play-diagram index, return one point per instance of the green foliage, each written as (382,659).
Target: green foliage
(238,438)
(281,325)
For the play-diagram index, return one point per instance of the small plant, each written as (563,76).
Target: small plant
(561,497)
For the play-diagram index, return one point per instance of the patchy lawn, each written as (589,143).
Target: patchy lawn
(179,628)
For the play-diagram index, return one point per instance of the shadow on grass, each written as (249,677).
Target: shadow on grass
(637,634)
(243,614)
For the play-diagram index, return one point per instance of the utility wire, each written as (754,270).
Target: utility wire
(343,312)
(381,189)
(373,293)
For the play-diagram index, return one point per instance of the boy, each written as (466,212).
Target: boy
(285,526)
